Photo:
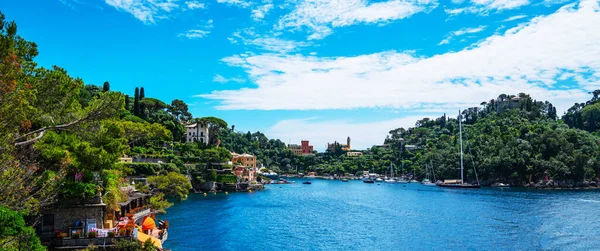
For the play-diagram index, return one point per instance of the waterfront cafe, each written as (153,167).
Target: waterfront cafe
(77,224)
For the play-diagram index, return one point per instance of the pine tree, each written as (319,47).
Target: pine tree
(106,86)
(136,102)
(142,95)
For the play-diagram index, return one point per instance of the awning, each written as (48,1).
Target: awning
(451,181)
(148,224)
(143,237)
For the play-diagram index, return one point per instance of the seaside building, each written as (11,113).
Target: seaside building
(354,154)
(347,147)
(245,159)
(68,223)
(245,173)
(196,132)
(303,149)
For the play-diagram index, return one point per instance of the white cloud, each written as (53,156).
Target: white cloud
(194,5)
(363,135)
(514,18)
(319,16)
(239,3)
(483,7)
(553,2)
(461,32)
(220,79)
(146,11)
(200,32)
(266,42)
(69,3)
(527,59)
(260,12)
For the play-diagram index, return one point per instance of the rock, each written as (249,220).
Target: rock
(209,186)
(593,184)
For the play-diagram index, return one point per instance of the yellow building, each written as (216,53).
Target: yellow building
(245,159)
(345,148)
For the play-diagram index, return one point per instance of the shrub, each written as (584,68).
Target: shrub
(78,190)
(227,178)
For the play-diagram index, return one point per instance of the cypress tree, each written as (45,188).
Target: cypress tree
(106,86)
(126,102)
(136,104)
(142,95)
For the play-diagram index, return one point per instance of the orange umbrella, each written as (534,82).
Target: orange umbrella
(148,224)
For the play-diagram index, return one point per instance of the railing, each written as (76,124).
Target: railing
(142,213)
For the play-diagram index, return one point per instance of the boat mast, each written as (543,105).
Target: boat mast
(432,172)
(461,148)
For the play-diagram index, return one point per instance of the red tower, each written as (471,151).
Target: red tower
(306,148)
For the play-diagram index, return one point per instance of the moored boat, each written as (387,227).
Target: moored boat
(460,183)
(427,182)
(379,180)
(500,184)
(344,180)
(307,183)
(368,180)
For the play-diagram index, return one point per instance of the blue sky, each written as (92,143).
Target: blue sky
(322,70)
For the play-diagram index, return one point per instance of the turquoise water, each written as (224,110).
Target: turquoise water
(335,215)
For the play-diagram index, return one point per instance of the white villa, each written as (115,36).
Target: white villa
(195,132)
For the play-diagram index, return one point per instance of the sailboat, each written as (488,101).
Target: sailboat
(426,181)
(391,179)
(402,180)
(413,178)
(460,183)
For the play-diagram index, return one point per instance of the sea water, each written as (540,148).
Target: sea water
(335,215)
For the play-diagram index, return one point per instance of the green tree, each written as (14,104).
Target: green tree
(136,102)
(142,93)
(159,204)
(14,234)
(173,184)
(179,109)
(106,86)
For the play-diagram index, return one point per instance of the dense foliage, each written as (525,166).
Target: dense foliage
(15,234)
(173,184)
(512,139)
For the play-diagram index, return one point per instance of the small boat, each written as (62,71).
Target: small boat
(378,180)
(344,180)
(414,181)
(283,181)
(307,183)
(500,184)
(389,181)
(402,181)
(368,180)
(427,182)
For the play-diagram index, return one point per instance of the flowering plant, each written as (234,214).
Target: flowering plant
(78,176)
(93,234)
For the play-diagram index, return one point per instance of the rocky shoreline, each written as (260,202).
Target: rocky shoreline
(550,184)
(212,186)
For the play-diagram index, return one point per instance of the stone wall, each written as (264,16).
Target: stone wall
(66,217)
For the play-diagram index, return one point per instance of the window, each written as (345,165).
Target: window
(201,134)
(189,134)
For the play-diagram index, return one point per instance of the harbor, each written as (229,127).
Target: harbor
(331,214)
